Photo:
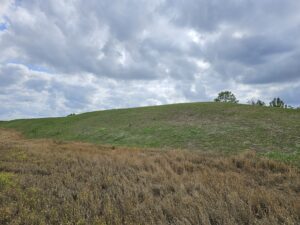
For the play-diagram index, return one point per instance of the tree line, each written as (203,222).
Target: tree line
(229,97)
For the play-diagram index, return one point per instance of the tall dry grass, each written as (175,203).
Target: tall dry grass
(74,183)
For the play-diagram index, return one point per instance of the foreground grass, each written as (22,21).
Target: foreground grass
(207,126)
(55,182)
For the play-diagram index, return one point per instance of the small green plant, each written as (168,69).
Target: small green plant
(5,180)
(292,158)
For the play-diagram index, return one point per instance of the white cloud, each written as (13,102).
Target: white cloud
(4,6)
(75,56)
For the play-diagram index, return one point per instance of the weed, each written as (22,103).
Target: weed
(6,180)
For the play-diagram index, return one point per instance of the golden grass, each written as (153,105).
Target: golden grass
(77,183)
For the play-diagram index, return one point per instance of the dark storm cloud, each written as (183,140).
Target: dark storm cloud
(71,56)
(250,51)
(256,59)
(266,51)
(291,95)
(278,70)
(209,15)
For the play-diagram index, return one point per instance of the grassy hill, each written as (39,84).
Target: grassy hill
(196,126)
(45,181)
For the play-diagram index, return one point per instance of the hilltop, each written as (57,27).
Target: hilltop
(219,127)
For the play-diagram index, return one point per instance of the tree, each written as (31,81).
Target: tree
(226,96)
(258,102)
(277,102)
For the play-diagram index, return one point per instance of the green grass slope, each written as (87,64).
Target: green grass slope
(196,126)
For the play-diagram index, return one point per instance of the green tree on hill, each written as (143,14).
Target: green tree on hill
(277,102)
(226,96)
(260,103)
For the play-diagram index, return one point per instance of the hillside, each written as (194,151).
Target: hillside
(195,126)
(215,174)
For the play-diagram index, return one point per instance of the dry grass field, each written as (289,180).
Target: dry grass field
(55,182)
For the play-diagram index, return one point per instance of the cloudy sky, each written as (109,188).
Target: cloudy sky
(61,57)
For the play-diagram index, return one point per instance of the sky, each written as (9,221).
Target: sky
(73,56)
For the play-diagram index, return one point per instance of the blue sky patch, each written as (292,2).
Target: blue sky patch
(3,26)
